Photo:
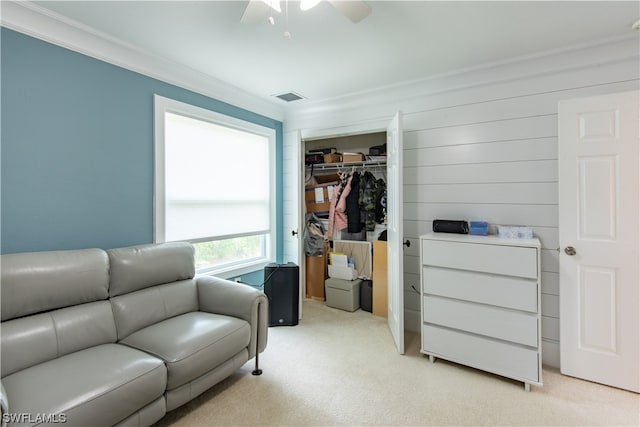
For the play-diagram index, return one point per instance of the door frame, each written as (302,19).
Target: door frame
(295,231)
(310,134)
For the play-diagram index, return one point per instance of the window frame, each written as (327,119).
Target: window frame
(164,105)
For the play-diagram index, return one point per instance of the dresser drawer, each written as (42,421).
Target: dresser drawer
(503,291)
(494,356)
(508,325)
(507,260)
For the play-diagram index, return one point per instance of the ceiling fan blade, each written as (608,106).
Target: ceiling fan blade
(255,11)
(355,10)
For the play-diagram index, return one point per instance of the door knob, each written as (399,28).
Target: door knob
(407,243)
(294,232)
(570,250)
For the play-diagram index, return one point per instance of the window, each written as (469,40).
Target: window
(214,186)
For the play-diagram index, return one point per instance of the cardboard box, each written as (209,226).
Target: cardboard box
(329,177)
(318,197)
(379,276)
(315,275)
(352,157)
(332,158)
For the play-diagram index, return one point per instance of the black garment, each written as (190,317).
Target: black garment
(368,185)
(381,201)
(354,225)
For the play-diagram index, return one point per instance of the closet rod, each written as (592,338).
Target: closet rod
(343,165)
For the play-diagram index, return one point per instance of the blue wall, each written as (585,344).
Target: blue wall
(77,148)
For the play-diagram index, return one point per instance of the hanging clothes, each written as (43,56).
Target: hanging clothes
(354,224)
(313,236)
(381,201)
(337,214)
(368,200)
(383,207)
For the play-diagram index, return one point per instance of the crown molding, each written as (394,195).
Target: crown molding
(30,19)
(378,105)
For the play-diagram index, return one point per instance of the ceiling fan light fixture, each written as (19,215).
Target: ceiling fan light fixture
(273,4)
(308,4)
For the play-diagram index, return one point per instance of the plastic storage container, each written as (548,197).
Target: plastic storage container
(515,232)
(343,294)
(366,295)
(479,228)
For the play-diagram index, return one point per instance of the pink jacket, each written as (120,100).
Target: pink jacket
(337,215)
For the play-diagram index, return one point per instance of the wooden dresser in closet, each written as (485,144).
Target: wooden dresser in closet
(480,303)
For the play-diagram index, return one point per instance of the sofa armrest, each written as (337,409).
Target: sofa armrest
(4,405)
(220,296)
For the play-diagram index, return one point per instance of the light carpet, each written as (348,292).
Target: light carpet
(342,369)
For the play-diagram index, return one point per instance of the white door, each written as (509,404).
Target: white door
(292,215)
(599,232)
(395,238)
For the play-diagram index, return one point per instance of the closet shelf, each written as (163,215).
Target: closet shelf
(342,165)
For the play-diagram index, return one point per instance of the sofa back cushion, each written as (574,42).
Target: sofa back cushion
(53,303)
(146,307)
(41,281)
(151,283)
(34,339)
(140,267)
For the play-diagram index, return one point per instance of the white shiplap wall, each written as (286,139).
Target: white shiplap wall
(291,195)
(503,170)
(483,146)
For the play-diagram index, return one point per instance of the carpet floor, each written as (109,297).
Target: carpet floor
(337,368)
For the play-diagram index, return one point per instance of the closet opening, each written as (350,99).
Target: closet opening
(345,221)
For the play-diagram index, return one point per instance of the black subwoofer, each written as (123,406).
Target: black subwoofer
(448,226)
(281,285)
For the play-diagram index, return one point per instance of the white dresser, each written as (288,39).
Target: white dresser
(481,303)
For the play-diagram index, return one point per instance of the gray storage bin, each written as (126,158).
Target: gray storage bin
(343,294)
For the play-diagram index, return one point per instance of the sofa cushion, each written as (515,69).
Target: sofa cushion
(101,385)
(140,309)
(41,281)
(139,267)
(35,339)
(192,344)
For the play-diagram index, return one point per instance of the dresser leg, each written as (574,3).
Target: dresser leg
(527,387)
(432,359)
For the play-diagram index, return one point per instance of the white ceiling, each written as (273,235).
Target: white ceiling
(329,56)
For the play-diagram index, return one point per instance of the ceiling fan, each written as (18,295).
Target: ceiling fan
(258,10)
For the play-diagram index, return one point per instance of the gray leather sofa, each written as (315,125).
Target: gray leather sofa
(119,337)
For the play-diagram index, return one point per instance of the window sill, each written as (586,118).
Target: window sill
(234,271)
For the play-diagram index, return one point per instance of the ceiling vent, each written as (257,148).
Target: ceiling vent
(289,96)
